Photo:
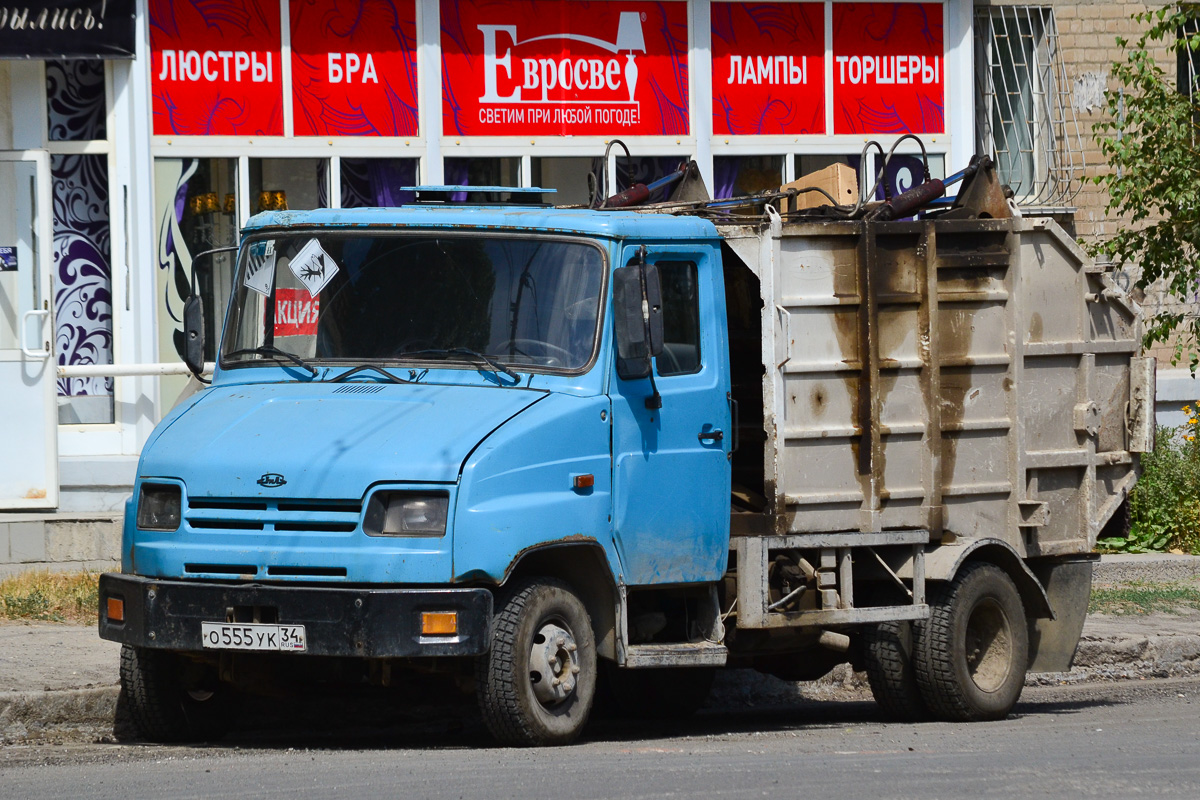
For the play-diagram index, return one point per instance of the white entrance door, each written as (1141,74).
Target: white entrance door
(28,372)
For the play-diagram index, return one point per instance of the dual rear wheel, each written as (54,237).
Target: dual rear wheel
(966,663)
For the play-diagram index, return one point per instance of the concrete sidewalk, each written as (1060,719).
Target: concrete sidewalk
(56,679)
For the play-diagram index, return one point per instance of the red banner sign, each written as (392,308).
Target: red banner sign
(354,67)
(768,68)
(216,68)
(519,68)
(888,68)
(296,312)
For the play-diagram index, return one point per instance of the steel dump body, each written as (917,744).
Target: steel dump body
(937,383)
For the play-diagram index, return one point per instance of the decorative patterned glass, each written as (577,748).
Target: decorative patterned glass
(83,273)
(75,107)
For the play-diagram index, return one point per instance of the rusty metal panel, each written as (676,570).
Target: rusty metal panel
(971,378)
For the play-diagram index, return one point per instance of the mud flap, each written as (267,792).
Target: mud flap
(1068,583)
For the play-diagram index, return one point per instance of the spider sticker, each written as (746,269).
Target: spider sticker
(260,267)
(313,267)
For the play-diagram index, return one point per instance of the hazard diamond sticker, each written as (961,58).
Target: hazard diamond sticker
(313,267)
(260,267)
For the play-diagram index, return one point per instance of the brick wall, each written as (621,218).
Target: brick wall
(1087,37)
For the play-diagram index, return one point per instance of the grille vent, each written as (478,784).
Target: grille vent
(358,388)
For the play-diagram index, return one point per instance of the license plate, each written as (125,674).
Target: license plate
(253,636)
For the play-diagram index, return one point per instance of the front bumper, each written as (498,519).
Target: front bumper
(364,622)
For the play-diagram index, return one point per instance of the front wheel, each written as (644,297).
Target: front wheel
(537,682)
(172,700)
(973,651)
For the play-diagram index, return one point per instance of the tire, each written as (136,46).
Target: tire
(672,693)
(973,651)
(163,707)
(888,659)
(537,682)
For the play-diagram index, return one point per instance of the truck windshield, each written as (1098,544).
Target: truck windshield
(530,304)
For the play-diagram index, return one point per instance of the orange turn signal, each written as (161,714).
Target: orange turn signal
(116,609)
(439,623)
(585,481)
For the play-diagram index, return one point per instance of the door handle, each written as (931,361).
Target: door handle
(710,436)
(26,351)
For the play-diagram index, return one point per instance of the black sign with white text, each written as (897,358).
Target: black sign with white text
(67,29)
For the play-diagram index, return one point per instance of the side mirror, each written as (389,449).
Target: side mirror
(637,318)
(193,334)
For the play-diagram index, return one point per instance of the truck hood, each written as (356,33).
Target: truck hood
(328,441)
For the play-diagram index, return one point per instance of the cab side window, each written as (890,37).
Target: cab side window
(681,319)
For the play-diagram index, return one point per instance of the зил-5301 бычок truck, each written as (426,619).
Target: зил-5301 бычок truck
(543,449)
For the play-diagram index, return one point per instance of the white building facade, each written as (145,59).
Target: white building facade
(120,168)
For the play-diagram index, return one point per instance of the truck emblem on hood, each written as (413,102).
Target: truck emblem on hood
(271,480)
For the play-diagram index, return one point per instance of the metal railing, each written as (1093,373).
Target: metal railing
(128,370)
(1023,106)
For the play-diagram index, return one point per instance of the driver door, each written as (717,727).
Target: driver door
(671,473)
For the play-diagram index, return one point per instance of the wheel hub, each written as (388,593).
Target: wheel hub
(989,646)
(553,664)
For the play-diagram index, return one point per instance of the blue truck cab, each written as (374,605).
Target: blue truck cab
(433,433)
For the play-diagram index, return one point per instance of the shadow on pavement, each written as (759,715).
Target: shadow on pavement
(387,720)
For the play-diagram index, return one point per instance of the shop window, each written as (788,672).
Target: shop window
(76,107)
(481,172)
(807,164)
(906,170)
(903,172)
(288,184)
(646,170)
(196,210)
(739,176)
(377,182)
(572,177)
(83,283)
(1024,115)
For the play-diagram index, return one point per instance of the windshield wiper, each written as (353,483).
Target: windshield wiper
(271,350)
(496,366)
(363,368)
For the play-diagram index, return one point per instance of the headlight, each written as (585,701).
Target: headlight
(159,507)
(406,514)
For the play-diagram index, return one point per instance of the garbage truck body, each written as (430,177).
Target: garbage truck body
(558,453)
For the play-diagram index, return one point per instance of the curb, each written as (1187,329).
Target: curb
(1154,567)
(26,716)
(1174,649)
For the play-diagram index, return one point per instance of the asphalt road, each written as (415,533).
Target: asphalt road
(1094,740)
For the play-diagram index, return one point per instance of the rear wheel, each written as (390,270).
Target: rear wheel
(888,656)
(537,682)
(973,652)
(170,700)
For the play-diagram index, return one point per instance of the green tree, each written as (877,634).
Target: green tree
(1150,137)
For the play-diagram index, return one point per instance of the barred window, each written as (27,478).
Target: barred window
(1189,60)
(1024,117)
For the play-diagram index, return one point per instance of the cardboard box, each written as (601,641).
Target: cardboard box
(839,180)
